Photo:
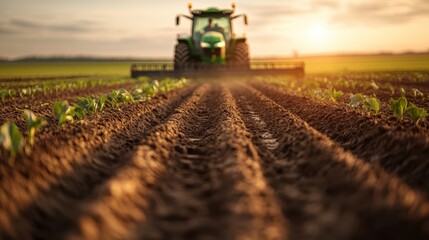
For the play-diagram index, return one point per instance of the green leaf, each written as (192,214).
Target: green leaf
(33,123)
(63,112)
(399,106)
(372,104)
(356,100)
(417,93)
(416,114)
(11,139)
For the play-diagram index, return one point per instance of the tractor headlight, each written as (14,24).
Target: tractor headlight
(220,44)
(205,45)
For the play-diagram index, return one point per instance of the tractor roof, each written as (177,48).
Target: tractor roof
(212,11)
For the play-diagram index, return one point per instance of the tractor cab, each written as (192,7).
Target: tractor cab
(211,30)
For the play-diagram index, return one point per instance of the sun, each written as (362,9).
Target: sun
(318,32)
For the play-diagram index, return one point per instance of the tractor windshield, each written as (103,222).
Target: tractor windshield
(211,23)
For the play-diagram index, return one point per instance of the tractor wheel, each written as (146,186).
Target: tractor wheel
(181,56)
(241,55)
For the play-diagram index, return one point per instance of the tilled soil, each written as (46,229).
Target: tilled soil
(41,105)
(219,161)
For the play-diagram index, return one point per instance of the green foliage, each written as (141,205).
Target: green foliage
(369,104)
(390,88)
(92,104)
(416,114)
(11,139)
(398,106)
(31,88)
(7,93)
(328,94)
(33,123)
(63,112)
(417,93)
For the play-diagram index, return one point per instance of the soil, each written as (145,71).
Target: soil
(220,161)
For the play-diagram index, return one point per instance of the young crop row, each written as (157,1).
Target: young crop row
(399,107)
(48,87)
(13,142)
(396,77)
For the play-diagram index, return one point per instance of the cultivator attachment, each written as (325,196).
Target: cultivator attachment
(218,70)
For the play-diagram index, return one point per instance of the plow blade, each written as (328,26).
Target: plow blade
(218,70)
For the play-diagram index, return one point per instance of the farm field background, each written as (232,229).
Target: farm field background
(327,64)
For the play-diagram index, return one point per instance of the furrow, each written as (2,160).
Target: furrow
(325,191)
(210,185)
(404,153)
(64,173)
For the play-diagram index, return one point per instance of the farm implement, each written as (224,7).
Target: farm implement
(213,49)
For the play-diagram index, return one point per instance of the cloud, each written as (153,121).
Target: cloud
(393,12)
(17,25)
(6,31)
(271,12)
(149,46)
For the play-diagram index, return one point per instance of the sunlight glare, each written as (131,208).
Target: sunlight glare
(318,33)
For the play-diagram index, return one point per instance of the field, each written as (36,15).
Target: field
(313,65)
(328,156)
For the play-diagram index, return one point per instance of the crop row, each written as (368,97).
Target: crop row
(13,142)
(371,104)
(48,87)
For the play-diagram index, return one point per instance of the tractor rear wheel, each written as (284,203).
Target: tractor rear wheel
(181,56)
(241,55)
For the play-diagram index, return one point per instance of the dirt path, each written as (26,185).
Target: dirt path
(210,161)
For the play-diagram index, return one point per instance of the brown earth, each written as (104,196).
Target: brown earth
(220,161)
(41,105)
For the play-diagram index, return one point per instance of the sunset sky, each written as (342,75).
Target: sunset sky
(146,28)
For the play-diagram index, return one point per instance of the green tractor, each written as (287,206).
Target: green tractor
(212,41)
(213,50)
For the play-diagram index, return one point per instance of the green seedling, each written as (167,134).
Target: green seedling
(390,88)
(366,103)
(328,94)
(374,86)
(11,139)
(33,123)
(86,105)
(356,100)
(417,93)
(399,106)
(101,102)
(125,96)
(63,112)
(416,114)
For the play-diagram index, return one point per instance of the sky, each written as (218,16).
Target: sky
(131,28)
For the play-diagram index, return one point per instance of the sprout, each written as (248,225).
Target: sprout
(416,114)
(33,123)
(367,103)
(63,112)
(398,106)
(417,93)
(11,139)
(390,88)
(374,85)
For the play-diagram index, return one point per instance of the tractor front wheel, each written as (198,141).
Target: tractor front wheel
(181,56)
(241,55)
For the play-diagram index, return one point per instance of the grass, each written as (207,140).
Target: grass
(313,65)
(366,63)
